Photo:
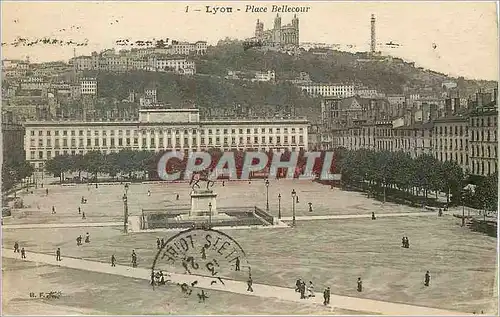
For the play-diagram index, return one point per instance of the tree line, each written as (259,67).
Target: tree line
(379,170)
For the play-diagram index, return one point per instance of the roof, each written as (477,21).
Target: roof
(452,119)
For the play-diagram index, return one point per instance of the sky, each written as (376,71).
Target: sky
(456,38)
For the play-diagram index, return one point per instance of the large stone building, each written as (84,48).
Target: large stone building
(328,90)
(279,35)
(158,129)
(468,137)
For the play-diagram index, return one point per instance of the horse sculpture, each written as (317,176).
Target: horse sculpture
(202,176)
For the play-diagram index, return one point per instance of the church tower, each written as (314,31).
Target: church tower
(295,24)
(277,30)
(259,29)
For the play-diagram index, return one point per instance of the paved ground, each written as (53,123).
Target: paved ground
(261,290)
(331,253)
(299,218)
(105,204)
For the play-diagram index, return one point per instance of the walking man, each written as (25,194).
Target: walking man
(360,285)
(427,278)
(58,254)
(310,207)
(46,191)
(134,259)
(16,247)
(407,242)
(302,290)
(23,253)
(310,289)
(249,283)
(373,215)
(113,260)
(53,210)
(177,197)
(298,283)
(87,238)
(83,215)
(237,264)
(326,296)
(149,193)
(79,210)
(78,242)
(158,243)
(162,242)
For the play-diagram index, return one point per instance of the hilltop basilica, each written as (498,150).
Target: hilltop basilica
(278,36)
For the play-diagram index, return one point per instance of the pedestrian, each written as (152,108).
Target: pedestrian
(134,259)
(113,260)
(177,197)
(96,185)
(360,285)
(53,210)
(58,254)
(407,242)
(373,215)
(223,183)
(83,215)
(23,253)
(427,278)
(87,238)
(46,191)
(326,296)
(297,200)
(297,285)
(83,200)
(149,193)
(152,282)
(162,278)
(302,290)
(237,268)
(16,247)
(162,242)
(310,289)
(403,241)
(77,241)
(440,212)
(79,210)
(158,243)
(310,207)
(249,283)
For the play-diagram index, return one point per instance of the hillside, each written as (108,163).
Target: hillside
(389,75)
(213,95)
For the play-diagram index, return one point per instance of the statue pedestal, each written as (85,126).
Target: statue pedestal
(200,199)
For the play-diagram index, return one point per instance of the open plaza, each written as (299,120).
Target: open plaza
(333,243)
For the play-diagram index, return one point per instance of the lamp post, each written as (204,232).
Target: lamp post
(279,206)
(125,209)
(209,215)
(294,194)
(463,208)
(267,195)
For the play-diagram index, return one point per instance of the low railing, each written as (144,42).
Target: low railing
(264,215)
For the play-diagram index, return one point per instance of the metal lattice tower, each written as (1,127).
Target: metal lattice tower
(373,42)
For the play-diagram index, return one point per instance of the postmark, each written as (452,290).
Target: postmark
(206,254)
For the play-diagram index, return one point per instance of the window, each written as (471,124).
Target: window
(65,132)
(120,142)
(40,133)
(33,133)
(80,133)
(89,142)
(65,142)
(40,155)
(72,132)
(104,143)
(96,142)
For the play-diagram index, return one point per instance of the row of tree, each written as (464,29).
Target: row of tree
(14,170)
(424,174)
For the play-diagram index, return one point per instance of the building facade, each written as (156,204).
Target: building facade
(88,86)
(279,35)
(483,128)
(162,129)
(328,90)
